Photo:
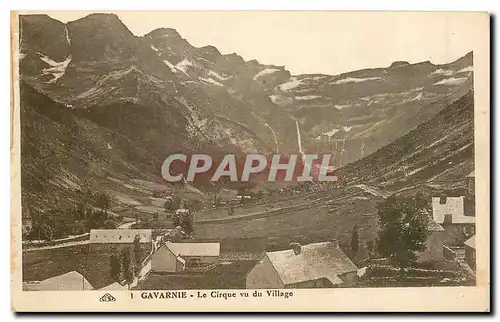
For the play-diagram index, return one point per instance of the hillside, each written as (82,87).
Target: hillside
(101,108)
(434,157)
(438,152)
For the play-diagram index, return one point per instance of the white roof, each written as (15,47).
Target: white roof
(471,242)
(66,282)
(194,249)
(114,287)
(454,206)
(315,261)
(119,235)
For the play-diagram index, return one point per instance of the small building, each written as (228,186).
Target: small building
(470,252)
(71,281)
(433,245)
(177,257)
(114,287)
(119,236)
(242,249)
(471,183)
(449,213)
(27,222)
(316,265)
(182,212)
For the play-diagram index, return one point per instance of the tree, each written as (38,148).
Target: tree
(354,242)
(193,205)
(403,222)
(369,248)
(137,253)
(102,200)
(127,268)
(173,203)
(187,224)
(114,267)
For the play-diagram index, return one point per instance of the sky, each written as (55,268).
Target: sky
(324,42)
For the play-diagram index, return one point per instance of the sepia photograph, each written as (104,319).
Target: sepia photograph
(175,156)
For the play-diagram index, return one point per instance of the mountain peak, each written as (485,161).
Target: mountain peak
(399,63)
(100,36)
(163,33)
(102,17)
(209,51)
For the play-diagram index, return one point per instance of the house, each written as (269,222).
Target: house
(27,222)
(433,245)
(470,183)
(303,266)
(119,236)
(114,287)
(242,249)
(177,257)
(71,281)
(449,213)
(470,252)
(182,212)
(27,225)
(113,240)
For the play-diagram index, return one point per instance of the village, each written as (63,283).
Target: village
(144,255)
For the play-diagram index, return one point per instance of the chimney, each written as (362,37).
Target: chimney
(296,247)
(335,242)
(448,219)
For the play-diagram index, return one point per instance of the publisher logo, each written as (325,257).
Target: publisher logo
(107,298)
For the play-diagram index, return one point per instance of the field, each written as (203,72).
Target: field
(309,218)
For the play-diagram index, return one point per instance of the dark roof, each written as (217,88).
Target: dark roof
(434,226)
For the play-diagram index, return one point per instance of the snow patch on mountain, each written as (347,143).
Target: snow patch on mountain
(169,64)
(307,97)
(452,81)
(341,106)
(466,70)
(183,66)
(154,48)
(264,72)
(67,34)
(331,132)
(210,81)
(354,80)
(219,76)
(205,60)
(445,72)
(56,69)
(274,98)
(418,97)
(347,129)
(292,83)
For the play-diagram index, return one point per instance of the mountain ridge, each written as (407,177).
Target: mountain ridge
(154,95)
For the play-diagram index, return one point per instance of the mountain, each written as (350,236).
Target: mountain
(438,153)
(100,105)
(356,113)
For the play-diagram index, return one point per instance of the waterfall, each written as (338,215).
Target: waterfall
(275,138)
(67,34)
(342,152)
(335,150)
(299,138)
